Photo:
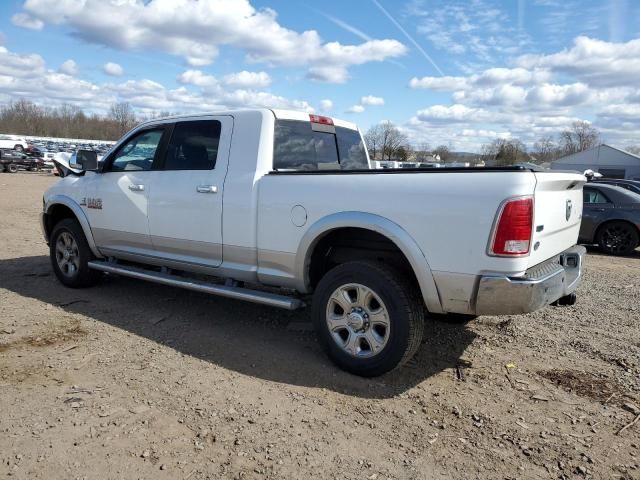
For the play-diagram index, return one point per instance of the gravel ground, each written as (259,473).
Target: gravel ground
(134,380)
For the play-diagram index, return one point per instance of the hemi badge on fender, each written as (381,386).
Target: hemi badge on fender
(94,203)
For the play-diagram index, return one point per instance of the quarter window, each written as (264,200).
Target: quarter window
(193,145)
(138,153)
(594,196)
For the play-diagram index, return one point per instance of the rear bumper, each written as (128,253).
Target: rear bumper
(540,285)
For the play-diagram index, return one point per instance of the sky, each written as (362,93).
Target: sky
(453,72)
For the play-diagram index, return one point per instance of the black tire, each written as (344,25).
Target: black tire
(617,238)
(12,168)
(81,275)
(18,148)
(403,304)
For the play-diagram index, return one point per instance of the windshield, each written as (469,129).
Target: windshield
(298,147)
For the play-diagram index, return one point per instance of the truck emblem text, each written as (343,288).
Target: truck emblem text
(93,203)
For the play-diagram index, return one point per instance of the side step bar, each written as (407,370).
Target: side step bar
(255,296)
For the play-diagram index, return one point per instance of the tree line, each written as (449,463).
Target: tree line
(386,142)
(22,117)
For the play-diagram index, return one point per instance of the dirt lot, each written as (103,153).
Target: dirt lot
(133,380)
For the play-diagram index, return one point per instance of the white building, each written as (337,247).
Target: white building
(611,162)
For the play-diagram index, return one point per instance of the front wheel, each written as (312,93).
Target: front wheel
(12,168)
(368,316)
(618,238)
(18,148)
(70,255)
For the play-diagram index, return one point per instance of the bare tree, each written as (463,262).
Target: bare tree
(423,152)
(373,140)
(443,152)
(122,114)
(384,140)
(504,152)
(581,136)
(545,149)
(22,117)
(404,152)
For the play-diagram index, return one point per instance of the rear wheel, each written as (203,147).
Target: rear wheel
(70,255)
(12,168)
(618,238)
(18,148)
(368,316)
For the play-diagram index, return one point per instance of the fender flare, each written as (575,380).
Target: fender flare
(80,216)
(378,224)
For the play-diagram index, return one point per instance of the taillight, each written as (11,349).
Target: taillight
(512,232)
(320,119)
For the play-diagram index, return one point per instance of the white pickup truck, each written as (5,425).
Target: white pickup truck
(229,203)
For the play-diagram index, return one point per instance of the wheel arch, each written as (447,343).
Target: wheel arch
(373,223)
(59,207)
(599,228)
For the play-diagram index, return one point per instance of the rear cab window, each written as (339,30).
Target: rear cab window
(306,146)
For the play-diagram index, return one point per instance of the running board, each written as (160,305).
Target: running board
(255,296)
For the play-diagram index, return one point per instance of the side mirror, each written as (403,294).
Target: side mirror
(86,160)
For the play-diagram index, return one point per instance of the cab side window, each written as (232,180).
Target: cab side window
(594,196)
(193,145)
(137,154)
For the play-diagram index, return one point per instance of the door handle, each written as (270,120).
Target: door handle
(136,188)
(207,189)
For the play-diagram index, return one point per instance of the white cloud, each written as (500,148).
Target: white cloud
(326,105)
(25,20)
(196,77)
(242,97)
(477,30)
(488,78)
(113,69)
(371,100)
(453,113)
(20,66)
(439,83)
(69,68)
(27,76)
(595,62)
(196,31)
(247,79)
(355,109)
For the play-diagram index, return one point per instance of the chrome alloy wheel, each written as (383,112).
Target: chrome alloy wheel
(358,320)
(67,254)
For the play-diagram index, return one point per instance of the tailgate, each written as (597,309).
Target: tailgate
(557,214)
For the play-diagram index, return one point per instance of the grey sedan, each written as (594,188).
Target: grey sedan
(610,218)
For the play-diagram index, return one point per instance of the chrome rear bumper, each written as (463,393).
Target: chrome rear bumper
(540,285)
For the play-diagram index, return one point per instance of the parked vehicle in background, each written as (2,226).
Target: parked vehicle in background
(34,151)
(610,218)
(289,201)
(10,142)
(631,185)
(11,161)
